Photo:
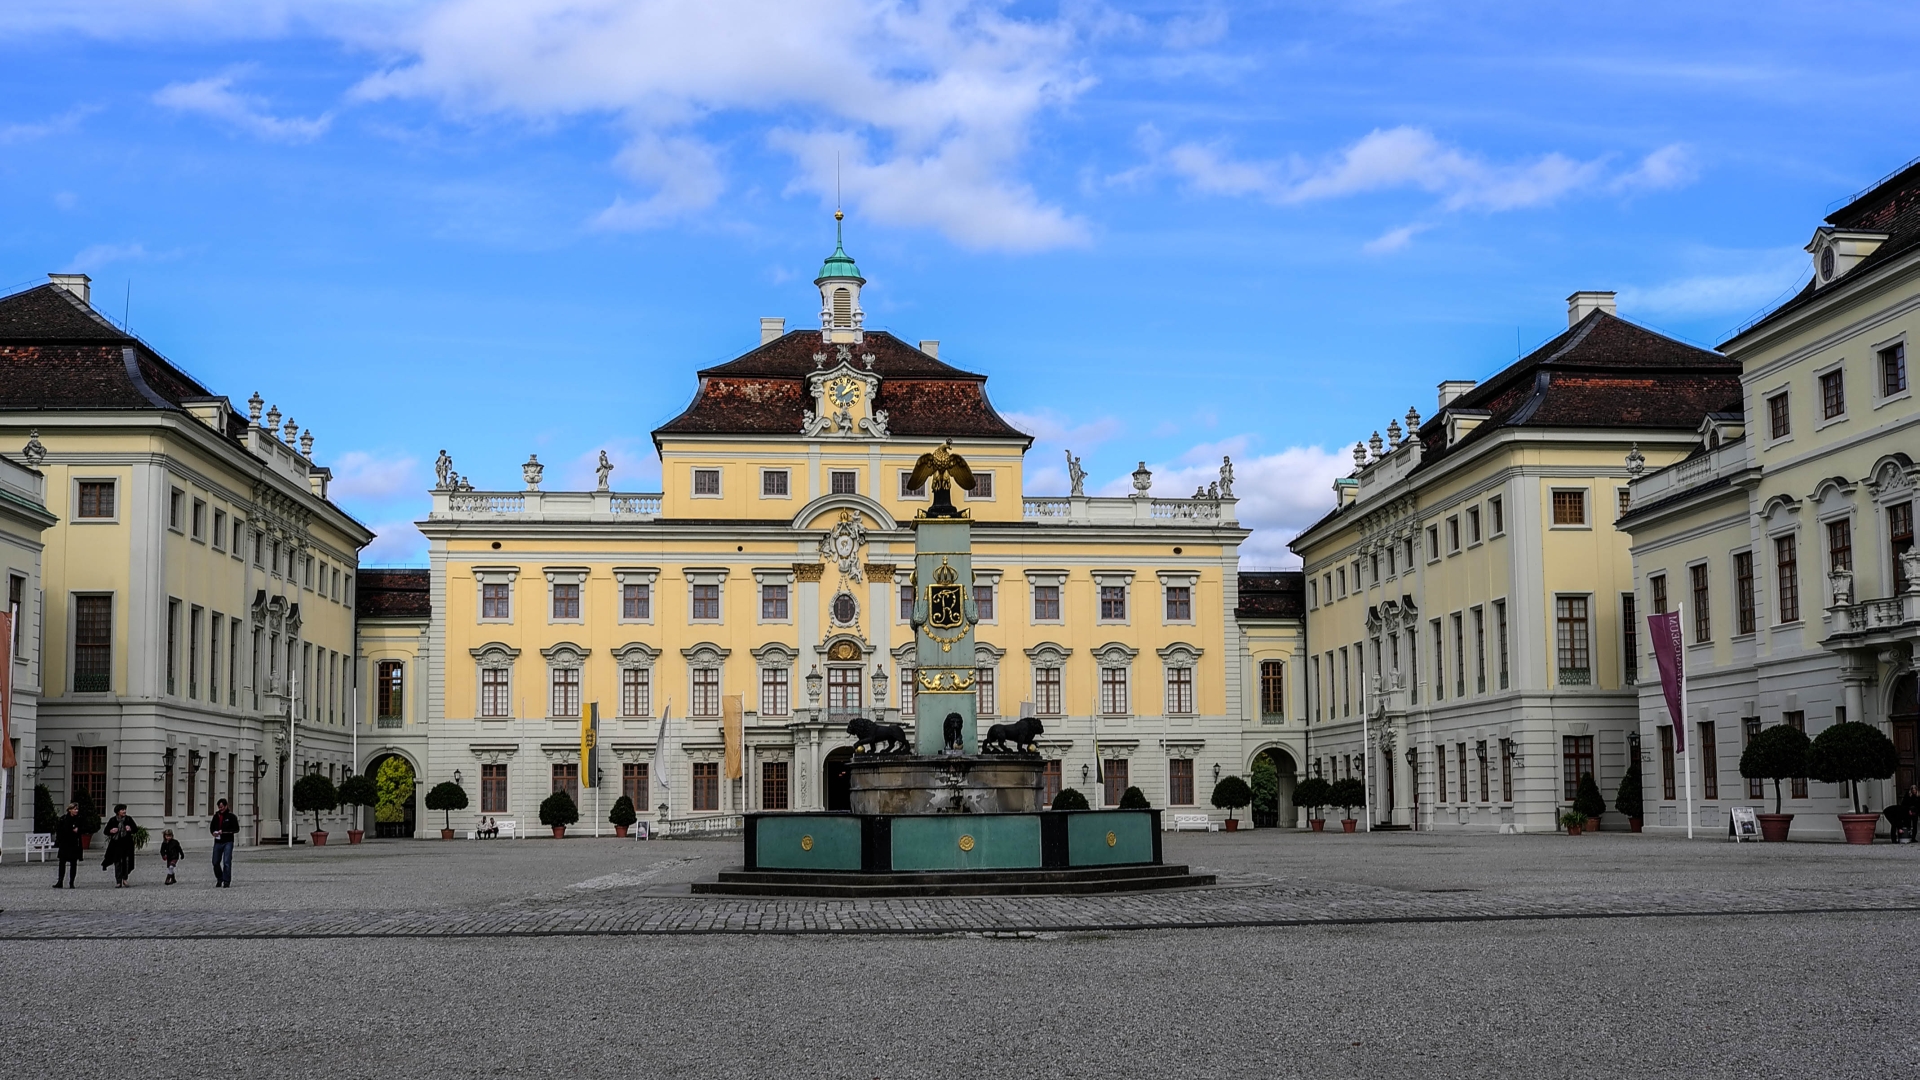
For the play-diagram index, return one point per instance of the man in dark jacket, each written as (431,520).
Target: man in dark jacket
(67,841)
(120,829)
(224,827)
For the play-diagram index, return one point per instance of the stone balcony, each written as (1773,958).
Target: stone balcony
(1725,462)
(1886,621)
(1087,510)
(612,506)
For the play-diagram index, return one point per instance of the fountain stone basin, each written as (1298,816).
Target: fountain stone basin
(945,784)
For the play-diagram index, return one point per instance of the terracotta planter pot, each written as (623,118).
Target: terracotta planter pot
(559,832)
(1859,827)
(446,834)
(620,831)
(354,836)
(319,838)
(1634,823)
(1575,830)
(1233,825)
(1773,827)
(1317,824)
(1348,824)
(86,842)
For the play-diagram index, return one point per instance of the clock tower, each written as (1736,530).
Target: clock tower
(839,282)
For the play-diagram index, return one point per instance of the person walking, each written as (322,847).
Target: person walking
(119,830)
(170,852)
(68,842)
(224,826)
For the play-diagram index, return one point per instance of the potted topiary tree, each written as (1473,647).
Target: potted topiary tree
(314,794)
(45,816)
(1134,799)
(394,779)
(1070,799)
(89,818)
(1310,795)
(622,816)
(557,812)
(1265,782)
(1777,753)
(1346,794)
(447,797)
(1587,800)
(358,791)
(1627,799)
(1230,794)
(1850,753)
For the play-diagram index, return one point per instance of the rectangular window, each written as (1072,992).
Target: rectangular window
(1113,602)
(1570,639)
(1623,500)
(1900,541)
(173,644)
(706,481)
(775,692)
(1779,421)
(1506,770)
(1049,782)
(167,781)
(1113,691)
(706,692)
(1439,663)
(635,784)
(1046,691)
(1787,564)
(773,785)
(1576,760)
(982,486)
(906,603)
(1313,688)
(390,690)
(214,626)
(1570,508)
(1749,727)
(1180,782)
(1179,603)
(566,777)
(1180,691)
(1657,587)
(1453,535)
(843,691)
(636,601)
(193,779)
(1346,683)
(1743,591)
(1668,789)
(199,519)
(1629,641)
(1340,580)
(1114,781)
(1433,541)
(90,774)
(493,789)
(1440,773)
(1473,524)
(843,482)
(1479,651)
(1046,603)
(911,492)
(1839,544)
(493,693)
(636,690)
(566,692)
(233,661)
(1709,763)
(706,785)
(176,510)
(774,482)
(986,701)
(773,602)
(195,617)
(566,601)
(1797,720)
(982,602)
(1459,656)
(1273,688)
(494,601)
(1460,752)
(1833,395)
(1893,370)
(706,602)
(1702,608)
(219,530)
(906,691)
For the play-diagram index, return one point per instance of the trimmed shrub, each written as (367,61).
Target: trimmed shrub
(447,797)
(1311,794)
(622,812)
(394,781)
(89,813)
(45,814)
(1586,797)
(1134,799)
(312,794)
(558,811)
(1777,753)
(1849,753)
(1628,799)
(1070,799)
(1231,793)
(1265,783)
(1347,794)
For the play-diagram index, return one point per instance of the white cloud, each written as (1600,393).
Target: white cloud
(95,256)
(396,543)
(1394,239)
(360,476)
(1280,493)
(215,97)
(930,105)
(1731,283)
(1668,167)
(635,468)
(66,121)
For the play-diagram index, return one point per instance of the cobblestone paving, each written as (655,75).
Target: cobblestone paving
(1276,880)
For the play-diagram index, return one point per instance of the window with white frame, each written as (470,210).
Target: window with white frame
(1049,665)
(1179,661)
(1893,370)
(1115,664)
(1176,588)
(564,664)
(909,492)
(775,664)
(986,679)
(986,587)
(635,661)
(776,588)
(706,483)
(493,663)
(703,593)
(565,589)
(704,663)
(1046,589)
(634,588)
(774,483)
(982,486)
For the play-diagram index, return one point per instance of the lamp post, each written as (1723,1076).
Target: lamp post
(456,779)
(46,759)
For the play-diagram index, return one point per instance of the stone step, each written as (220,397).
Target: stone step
(1082,881)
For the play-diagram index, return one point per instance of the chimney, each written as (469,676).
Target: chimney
(73,283)
(931,348)
(1581,304)
(771,330)
(1453,388)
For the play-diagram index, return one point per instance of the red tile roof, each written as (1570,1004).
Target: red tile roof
(1278,594)
(394,594)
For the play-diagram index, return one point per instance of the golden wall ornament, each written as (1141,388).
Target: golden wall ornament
(934,682)
(966,843)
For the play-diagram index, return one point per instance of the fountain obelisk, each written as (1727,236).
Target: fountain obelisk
(944,613)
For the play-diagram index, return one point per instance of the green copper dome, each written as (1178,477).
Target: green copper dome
(839,264)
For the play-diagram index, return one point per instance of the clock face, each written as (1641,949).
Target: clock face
(843,392)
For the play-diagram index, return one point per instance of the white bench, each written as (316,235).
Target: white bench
(39,843)
(1194,822)
(505,826)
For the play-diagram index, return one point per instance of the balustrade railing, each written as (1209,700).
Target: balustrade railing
(487,503)
(635,504)
(1045,508)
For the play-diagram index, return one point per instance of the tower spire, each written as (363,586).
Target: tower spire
(839,282)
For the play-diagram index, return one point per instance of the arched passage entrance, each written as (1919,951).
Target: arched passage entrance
(833,782)
(1903,709)
(403,828)
(1282,815)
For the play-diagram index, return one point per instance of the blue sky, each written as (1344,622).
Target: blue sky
(1166,231)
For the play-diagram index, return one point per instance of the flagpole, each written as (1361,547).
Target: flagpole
(1686,744)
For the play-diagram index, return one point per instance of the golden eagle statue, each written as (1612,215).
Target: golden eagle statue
(943,468)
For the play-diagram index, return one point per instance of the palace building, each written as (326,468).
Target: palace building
(770,575)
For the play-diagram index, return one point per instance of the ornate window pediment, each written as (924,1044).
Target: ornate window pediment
(636,654)
(1048,654)
(1115,654)
(1892,478)
(565,654)
(1179,654)
(775,655)
(985,655)
(705,654)
(495,654)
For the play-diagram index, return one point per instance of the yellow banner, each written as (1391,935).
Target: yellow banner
(732,733)
(589,739)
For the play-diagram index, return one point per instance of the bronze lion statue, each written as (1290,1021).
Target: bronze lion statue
(1013,738)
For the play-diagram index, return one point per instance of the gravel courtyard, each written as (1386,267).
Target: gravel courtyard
(1383,956)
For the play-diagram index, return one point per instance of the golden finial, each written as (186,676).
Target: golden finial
(838,216)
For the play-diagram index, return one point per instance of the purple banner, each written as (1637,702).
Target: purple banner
(1664,631)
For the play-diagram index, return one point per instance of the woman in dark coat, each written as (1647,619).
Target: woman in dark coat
(68,841)
(119,831)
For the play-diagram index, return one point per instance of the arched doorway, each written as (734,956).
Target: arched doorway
(1283,764)
(1903,710)
(402,829)
(833,784)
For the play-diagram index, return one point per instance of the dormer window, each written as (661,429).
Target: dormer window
(1836,251)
